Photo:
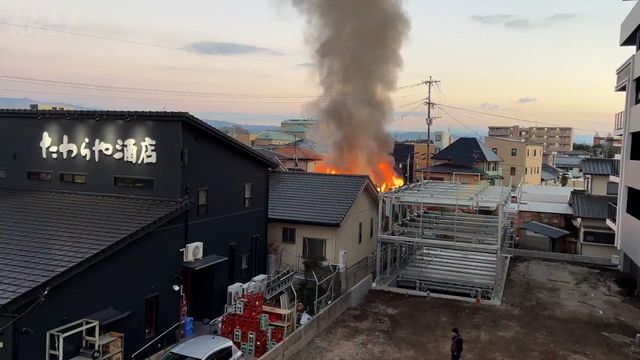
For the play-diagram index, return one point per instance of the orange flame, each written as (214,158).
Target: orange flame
(384,176)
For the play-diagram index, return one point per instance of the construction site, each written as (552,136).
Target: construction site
(445,239)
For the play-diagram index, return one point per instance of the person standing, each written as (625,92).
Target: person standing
(456,344)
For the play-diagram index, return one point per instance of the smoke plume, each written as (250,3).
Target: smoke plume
(357,50)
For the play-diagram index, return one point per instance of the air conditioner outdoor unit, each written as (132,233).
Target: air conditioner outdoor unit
(233,293)
(193,251)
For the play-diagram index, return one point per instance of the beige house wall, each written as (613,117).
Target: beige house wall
(527,157)
(459,177)
(598,184)
(344,237)
(589,249)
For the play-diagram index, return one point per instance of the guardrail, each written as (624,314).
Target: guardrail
(612,212)
(615,167)
(581,259)
(618,123)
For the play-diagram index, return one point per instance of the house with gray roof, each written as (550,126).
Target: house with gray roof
(468,161)
(321,217)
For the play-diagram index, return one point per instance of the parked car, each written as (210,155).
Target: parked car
(205,347)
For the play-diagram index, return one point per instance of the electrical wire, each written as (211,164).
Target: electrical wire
(138,43)
(41,299)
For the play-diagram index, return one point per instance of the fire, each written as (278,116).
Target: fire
(384,176)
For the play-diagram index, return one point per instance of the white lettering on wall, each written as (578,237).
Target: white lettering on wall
(125,150)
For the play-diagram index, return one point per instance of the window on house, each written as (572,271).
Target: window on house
(514,152)
(603,238)
(635,145)
(612,188)
(133,182)
(288,235)
(633,199)
(73,178)
(151,316)
(360,232)
(314,249)
(438,137)
(244,267)
(247,195)
(495,150)
(526,170)
(512,171)
(371,228)
(40,175)
(203,201)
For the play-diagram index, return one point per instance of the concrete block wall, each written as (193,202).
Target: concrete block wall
(301,337)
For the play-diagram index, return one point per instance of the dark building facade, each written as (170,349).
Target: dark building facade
(96,208)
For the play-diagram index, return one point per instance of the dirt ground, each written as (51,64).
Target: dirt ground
(550,311)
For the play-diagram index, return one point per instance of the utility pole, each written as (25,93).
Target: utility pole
(430,83)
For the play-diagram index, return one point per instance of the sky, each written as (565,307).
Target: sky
(546,61)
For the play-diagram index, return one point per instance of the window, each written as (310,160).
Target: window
(612,188)
(288,235)
(360,232)
(40,175)
(535,152)
(526,170)
(603,238)
(527,152)
(371,228)
(73,178)
(635,145)
(222,354)
(133,182)
(244,267)
(512,171)
(314,249)
(438,137)
(633,199)
(151,316)
(495,150)
(203,201)
(247,195)
(514,152)
(3,173)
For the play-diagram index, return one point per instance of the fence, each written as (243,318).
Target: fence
(605,261)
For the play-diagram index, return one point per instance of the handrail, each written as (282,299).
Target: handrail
(156,339)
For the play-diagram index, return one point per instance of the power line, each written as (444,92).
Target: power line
(461,123)
(513,118)
(41,299)
(138,43)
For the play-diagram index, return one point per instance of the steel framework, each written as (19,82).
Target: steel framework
(447,238)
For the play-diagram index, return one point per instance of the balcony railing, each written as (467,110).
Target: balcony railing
(619,121)
(612,212)
(615,167)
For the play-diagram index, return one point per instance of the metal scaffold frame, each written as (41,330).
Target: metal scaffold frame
(444,238)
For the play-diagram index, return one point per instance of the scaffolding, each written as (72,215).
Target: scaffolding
(445,238)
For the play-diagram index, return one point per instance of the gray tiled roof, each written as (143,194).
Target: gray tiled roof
(590,206)
(45,234)
(549,172)
(597,166)
(565,161)
(466,151)
(544,229)
(312,198)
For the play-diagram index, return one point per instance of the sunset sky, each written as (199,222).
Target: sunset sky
(547,60)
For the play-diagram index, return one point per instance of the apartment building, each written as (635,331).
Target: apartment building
(625,218)
(522,163)
(552,139)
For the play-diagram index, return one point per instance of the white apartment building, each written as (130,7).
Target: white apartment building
(625,219)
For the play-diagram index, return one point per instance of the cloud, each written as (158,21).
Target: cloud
(526,100)
(521,22)
(489,106)
(227,48)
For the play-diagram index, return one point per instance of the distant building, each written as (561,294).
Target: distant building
(612,144)
(550,175)
(441,139)
(411,158)
(49,107)
(467,161)
(239,133)
(293,158)
(321,218)
(570,165)
(300,128)
(521,162)
(270,137)
(550,138)
(590,208)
